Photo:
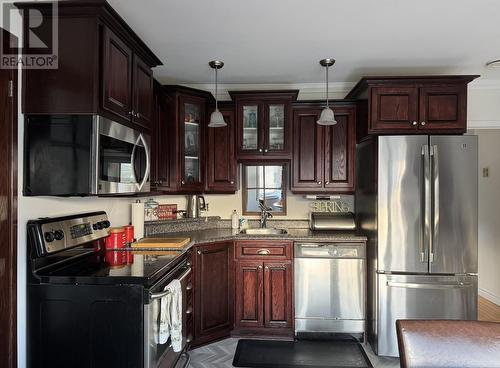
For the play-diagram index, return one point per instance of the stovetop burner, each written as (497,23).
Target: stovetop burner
(77,260)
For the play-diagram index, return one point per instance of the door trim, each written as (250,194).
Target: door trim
(8,224)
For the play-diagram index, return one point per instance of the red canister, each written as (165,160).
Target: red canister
(115,241)
(129,239)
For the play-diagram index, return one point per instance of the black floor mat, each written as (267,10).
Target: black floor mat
(300,354)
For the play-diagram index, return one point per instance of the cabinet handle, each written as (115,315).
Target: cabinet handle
(160,182)
(422,123)
(199,252)
(189,310)
(138,115)
(266,150)
(267,267)
(260,149)
(327,182)
(189,286)
(260,267)
(232,182)
(414,123)
(132,113)
(319,183)
(183,182)
(263,252)
(189,338)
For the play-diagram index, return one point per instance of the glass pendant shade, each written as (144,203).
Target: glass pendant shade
(327,117)
(216,120)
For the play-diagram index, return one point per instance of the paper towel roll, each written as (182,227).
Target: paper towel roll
(138,219)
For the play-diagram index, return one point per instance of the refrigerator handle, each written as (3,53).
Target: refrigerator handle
(435,202)
(425,204)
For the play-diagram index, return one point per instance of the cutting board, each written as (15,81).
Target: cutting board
(161,243)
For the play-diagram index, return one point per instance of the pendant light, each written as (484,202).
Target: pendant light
(216,119)
(327,117)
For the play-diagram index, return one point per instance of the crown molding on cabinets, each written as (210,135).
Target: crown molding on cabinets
(308,91)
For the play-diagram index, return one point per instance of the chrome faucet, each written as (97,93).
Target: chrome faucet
(265,213)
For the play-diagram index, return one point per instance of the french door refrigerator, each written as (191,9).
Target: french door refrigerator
(416,200)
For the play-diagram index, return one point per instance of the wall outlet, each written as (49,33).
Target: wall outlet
(486,172)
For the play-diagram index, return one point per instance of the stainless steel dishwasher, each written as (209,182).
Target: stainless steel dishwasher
(329,288)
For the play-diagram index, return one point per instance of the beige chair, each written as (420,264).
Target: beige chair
(447,343)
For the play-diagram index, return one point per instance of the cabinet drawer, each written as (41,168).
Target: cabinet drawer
(264,250)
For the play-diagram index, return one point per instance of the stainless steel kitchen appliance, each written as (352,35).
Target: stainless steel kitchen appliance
(417,202)
(195,204)
(329,289)
(79,155)
(85,309)
(333,221)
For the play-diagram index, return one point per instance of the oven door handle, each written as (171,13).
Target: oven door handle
(161,294)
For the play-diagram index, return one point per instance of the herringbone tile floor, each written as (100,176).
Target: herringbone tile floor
(220,355)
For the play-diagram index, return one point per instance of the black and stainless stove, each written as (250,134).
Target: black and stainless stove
(84,311)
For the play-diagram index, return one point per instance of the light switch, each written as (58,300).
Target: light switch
(486,172)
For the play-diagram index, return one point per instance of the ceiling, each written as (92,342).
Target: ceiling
(281,41)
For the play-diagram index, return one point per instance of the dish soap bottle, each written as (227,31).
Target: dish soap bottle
(235,220)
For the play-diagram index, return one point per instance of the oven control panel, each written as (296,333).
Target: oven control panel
(60,233)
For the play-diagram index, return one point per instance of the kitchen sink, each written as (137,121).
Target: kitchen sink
(263,231)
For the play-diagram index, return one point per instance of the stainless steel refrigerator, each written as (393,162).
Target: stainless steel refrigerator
(416,200)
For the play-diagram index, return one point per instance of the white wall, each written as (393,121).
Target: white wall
(489,214)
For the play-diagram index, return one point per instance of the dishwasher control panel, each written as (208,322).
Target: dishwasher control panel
(329,250)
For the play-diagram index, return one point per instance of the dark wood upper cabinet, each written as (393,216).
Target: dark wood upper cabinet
(443,107)
(263,124)
(323,156)
(103,67)
(163,154)
(221,161)
(189,115)
(394,108)
(116,75)
(213,291)
(142,93)
(413,105)
(308,157)
(340,150)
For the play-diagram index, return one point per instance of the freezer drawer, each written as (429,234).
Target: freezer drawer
(421,297)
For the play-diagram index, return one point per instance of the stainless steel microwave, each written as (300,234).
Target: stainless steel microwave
(81,155)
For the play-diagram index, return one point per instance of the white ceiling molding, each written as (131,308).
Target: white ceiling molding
(308,91)
(483,124)
(485,84)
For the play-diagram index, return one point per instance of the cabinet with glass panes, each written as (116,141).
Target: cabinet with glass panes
(190,113)
(263,123)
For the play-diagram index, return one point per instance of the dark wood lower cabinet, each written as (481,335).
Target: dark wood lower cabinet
(264,292)
(249,296)
(278,294)
(213,291)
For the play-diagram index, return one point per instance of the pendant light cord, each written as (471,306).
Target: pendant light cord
(216,84)
(327,86)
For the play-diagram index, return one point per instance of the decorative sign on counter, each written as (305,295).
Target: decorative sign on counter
(330,206)
(167,212)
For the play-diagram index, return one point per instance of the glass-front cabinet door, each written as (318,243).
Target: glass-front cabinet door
(191,143)
(263,123)
(251,127)
(275,132)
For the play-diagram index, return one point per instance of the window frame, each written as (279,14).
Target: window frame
(244,189)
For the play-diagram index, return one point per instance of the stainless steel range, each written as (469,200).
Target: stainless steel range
(84,311)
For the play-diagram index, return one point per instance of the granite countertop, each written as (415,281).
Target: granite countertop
(217,234)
